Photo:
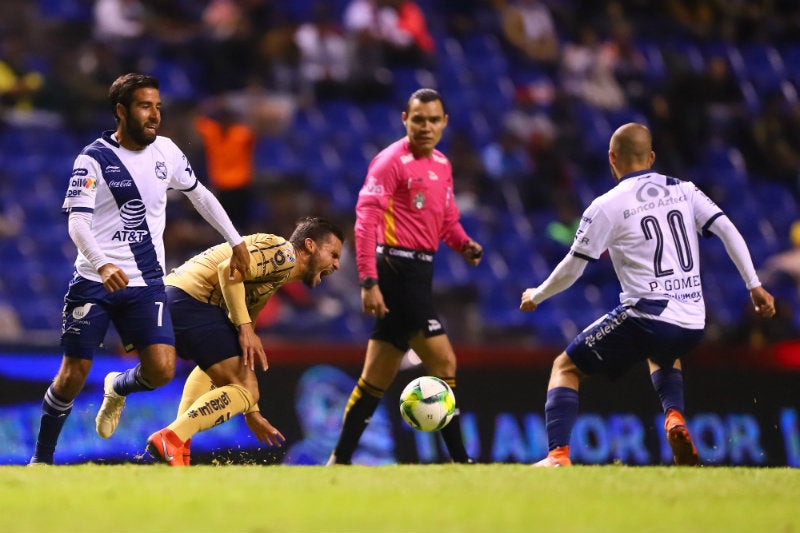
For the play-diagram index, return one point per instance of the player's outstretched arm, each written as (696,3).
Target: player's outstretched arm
(527,303)
(560,279)
(763,302)
(263,430)
(240,260)
(252,348)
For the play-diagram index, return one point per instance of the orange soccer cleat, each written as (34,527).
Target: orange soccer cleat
(165,446)
(684,452)
(557,457)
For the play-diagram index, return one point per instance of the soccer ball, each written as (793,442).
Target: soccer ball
(427,404)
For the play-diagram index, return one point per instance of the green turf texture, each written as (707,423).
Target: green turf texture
(406,498)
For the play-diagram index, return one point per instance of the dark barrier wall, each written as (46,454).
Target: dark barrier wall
(738,417)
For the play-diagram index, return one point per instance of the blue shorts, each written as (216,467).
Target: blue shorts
(203,332)
(618,341)
(139,314)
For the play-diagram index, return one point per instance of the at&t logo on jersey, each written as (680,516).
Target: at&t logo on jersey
(132,213)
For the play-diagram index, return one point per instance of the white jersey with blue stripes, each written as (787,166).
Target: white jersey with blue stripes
(126,192)
(649,223)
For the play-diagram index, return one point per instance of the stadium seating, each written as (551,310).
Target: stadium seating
(330,145)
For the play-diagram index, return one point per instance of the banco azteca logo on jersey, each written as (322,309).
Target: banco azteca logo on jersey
(132,213)
(651,191)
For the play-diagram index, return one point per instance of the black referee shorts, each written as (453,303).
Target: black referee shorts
(406,282)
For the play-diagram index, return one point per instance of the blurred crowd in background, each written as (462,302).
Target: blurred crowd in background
(280,105)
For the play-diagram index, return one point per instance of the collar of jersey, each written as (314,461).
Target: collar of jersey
(636,174)
(107,136)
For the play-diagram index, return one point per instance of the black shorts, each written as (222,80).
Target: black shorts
(407,287)
(203,333)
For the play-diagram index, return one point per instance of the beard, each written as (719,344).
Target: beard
(136,132)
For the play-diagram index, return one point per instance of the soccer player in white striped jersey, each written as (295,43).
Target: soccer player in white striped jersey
(649,223)
(116,201)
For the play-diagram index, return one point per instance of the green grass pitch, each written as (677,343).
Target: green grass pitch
(495,498)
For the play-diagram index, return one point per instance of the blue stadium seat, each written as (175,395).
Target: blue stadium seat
(450,269)
(40,313)
(761,64)
(486,59)
(66,10)
(777,204)
(790,56)
(384,122)
(275,154)
(176,80)
(344,115)
(681,53)
(654,59)
(595,128)
(724,165)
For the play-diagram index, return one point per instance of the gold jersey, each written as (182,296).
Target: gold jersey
(205,276)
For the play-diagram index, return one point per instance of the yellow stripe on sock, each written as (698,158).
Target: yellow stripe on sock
(359,390)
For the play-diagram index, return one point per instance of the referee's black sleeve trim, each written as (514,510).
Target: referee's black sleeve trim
(706,227)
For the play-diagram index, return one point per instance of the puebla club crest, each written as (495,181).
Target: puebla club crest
(161,170)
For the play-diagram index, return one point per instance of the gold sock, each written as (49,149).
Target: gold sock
(197,384)
(211,409)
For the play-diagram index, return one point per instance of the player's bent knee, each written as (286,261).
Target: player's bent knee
(564,366)
(158,375)
(247,396)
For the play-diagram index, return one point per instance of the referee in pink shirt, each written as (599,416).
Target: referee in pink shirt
(406,206)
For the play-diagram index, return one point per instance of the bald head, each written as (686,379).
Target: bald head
(630,149)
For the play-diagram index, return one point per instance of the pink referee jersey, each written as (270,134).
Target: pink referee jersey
(406,202)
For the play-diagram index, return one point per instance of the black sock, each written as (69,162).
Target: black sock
(358,413)
(451,433)
(54,413)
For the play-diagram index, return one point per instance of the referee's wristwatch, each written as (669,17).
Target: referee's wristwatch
(368,282)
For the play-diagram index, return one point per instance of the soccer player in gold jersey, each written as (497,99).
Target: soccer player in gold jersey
(213,318)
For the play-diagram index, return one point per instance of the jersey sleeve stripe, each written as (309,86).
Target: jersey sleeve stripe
(707,225)
(193,187)
(68,210)
(582,256)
